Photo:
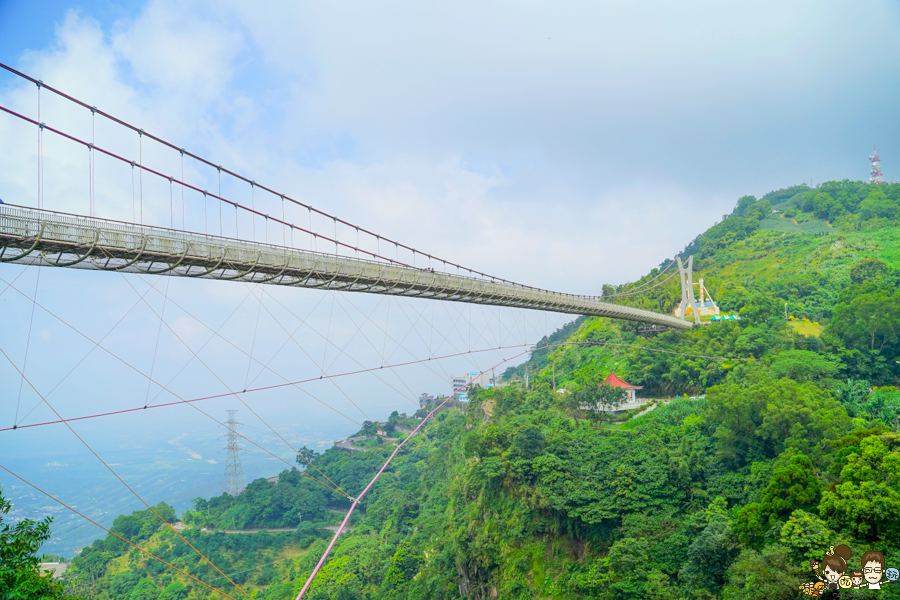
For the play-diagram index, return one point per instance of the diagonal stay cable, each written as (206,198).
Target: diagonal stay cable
(374,479)
(180,399)
(360,331)
(360,371)
(116,475)
(89,352)
(222,381)
(109,531)
(203,346)
(158,334)
(413,328)
(88,338)
(266,367)
(261,389)
(341,350)
(311,359)
(27,346)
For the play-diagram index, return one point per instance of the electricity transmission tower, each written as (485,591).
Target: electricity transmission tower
(233,482)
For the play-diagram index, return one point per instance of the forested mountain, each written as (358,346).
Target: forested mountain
(776,440)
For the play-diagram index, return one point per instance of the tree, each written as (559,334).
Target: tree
(803,365)
(760,308)
(852,394)
(878,205)
(305,456)
(870,320)
(20,575)
(404,565)
(761,417)
(806,535)
(867,503)
(766,575)
(711,553)
(743,204)
(144,590)
(174,591)
(868,268)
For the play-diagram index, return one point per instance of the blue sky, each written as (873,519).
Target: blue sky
(564,145)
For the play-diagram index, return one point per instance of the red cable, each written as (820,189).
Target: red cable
(404,364)
(380,471)
(259,389)
(150,554)
(244,179)
(187,185)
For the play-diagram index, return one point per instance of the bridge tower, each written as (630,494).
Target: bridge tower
(686,275)
(876,177)
(233,482)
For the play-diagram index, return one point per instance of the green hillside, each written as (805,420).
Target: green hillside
(770,443)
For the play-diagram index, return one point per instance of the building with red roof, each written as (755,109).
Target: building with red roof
(615,381)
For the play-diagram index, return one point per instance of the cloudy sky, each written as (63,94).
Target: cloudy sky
(564,145)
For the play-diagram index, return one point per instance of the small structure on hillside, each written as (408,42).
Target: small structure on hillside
(705,307)
(55,569)
(613,380)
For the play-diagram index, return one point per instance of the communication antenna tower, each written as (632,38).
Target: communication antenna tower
(233,482)
(877,178)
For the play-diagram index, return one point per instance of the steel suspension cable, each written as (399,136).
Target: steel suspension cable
(259,389)
(635,292)
(233,393)
(109,531)
(116,475)
(360,371)
(83,358)
(374,479)
(246,180)
(206,194)
(649,281)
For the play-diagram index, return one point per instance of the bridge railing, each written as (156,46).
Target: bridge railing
(51,238)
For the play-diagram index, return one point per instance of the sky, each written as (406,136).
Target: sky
(563,145)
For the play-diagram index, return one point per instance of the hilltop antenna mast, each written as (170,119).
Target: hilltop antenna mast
(233,481)
(877,178)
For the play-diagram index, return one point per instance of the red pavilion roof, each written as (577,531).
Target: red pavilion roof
(614,381)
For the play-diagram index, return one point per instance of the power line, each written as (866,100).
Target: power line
(109,531)
(116,475)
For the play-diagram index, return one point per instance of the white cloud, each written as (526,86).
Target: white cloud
(567,162)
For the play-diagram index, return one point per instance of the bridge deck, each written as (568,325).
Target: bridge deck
(48,238)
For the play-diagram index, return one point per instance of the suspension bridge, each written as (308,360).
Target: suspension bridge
(47,238)
(361,261)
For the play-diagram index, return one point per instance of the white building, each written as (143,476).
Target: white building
(460,383)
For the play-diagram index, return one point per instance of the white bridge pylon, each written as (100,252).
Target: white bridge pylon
(53,239)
